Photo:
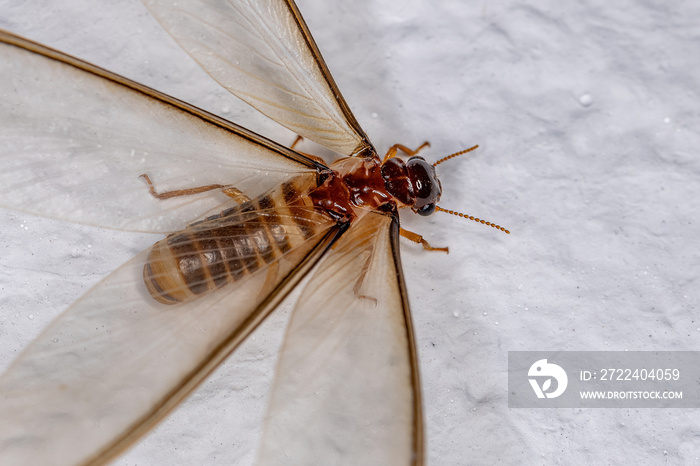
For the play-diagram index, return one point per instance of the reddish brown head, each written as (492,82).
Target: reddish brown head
(412,183)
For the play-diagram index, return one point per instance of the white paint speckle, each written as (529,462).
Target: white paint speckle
(586,100)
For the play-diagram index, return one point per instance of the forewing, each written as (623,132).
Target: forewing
(347,388)
(117,361)
(262,51)
(74,140)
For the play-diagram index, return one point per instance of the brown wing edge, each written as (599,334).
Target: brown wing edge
(18,41)
(219,354)
(418,433)
(365,148)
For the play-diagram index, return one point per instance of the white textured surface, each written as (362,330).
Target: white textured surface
(586,113)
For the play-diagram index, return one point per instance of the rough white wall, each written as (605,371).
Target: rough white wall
(586,114)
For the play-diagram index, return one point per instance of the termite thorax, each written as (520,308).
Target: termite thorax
(353,183)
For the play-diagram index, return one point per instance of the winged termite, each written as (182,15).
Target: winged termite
(246,220)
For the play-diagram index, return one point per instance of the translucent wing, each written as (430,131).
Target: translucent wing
(117,361)
(347,388)
(262,51)
(73,145)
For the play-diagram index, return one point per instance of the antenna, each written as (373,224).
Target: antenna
(456,154)
(470,217)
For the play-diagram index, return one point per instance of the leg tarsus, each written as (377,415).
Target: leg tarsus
(178,192)
(400,147)
(416,238)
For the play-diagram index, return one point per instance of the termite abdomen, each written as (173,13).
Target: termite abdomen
(226,247)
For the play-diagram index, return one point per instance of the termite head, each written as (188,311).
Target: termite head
(413,183)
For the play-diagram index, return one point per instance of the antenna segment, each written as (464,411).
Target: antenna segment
(470,217)
(456,154)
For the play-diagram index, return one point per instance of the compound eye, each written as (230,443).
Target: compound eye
(425,210)
(426,186)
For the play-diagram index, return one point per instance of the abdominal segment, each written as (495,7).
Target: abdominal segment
(226,247)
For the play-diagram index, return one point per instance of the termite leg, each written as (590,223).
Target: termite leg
(270,279)
(400,147)
(360,280)
(308,156)
(296,141)
(230,191)
(416,238)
